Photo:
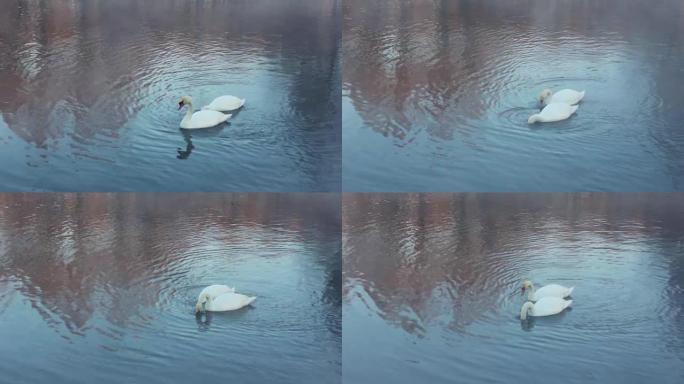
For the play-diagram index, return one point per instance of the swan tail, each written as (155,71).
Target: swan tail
(228,116)
(568,304)
(243,102)
(250,300)
(574,109)
(570,291)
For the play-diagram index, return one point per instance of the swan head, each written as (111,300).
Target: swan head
(544,96)
(199,307)
(185,100)
(526,285)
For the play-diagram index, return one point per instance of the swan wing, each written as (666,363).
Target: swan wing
(547,306)
(225,103)
(553,290)
(206,119)
(557,112)
(216,289)
(230,302)
(568,96)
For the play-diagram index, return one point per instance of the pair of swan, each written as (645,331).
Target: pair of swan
(220,298)
(547,300)
(211,115)
(558,106)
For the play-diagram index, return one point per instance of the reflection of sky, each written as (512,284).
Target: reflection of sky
(108,282)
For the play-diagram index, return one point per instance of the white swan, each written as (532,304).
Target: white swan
(546,306)
(568,96)
(553,112)
(215,290)
(219,298)
(551,290)
(200,119)
(225,103)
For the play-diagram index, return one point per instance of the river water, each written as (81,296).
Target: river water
(102,287)
(431,288)
(436,95)
(90,91)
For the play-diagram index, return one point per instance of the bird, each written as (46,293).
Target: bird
(545,306)
(220,298)
(550,290)
(568,96)
(200,119)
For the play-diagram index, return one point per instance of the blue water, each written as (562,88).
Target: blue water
(102,288)
(90,93)
(436,95)
(432,284)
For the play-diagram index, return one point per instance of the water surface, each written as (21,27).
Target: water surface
(432,288)
(90,91)
(101,288)
(436,95)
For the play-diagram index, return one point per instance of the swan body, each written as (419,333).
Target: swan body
(200,119)
(553,112)
(225,103)
(567,96)
(221,298)
(216,290)
(550,290)
(546,306)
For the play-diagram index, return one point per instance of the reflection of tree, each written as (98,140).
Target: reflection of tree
(74,255)
(421,257)
(87,63)
(424,64)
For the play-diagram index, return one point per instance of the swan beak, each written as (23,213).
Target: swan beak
(180,105)
(522,290)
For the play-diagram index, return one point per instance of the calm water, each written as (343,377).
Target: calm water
(436,95)
(432,288)
(90,92)
(101,288)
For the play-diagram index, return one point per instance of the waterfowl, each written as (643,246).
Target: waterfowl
(216,298)
(568,96)
(553,112)
(225,103)
(200,119)
(550,290)
(546,306)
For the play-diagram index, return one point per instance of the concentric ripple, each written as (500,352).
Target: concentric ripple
(437,96)
(432,287)
(90,94)
(97,287)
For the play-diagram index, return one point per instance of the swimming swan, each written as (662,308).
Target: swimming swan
(225,103)
(553,112)
(546,306)
(551,290)
(211,300)
(200,119)
(568,96)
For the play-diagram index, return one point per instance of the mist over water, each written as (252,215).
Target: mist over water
(102,288)
(436,95)
(431,287)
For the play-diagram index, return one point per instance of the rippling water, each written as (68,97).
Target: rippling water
(101,288)
(90,91)
(436,95)
(431,288)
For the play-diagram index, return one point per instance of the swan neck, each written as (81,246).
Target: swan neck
(525,309)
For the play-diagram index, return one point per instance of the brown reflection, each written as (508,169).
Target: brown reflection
(421,256)
(90,64)
(75,254)
(413,65)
